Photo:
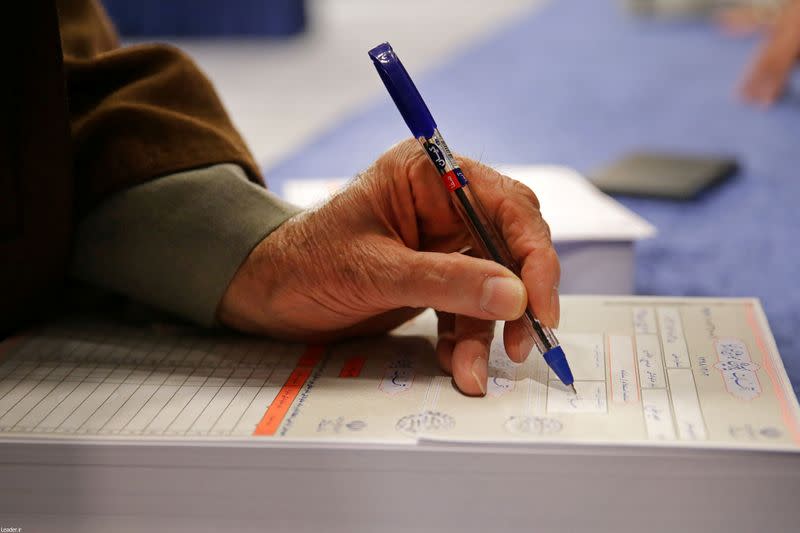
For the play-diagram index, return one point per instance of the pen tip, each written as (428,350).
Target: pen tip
(574,391)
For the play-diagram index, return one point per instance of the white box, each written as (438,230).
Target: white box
(594,234)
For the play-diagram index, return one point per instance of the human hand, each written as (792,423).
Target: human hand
(382,249)
(744,20)
(765,79)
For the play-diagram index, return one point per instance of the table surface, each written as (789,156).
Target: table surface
(581,82)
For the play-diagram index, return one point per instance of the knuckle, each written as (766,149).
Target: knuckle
(556,265)
(548,237)
(522,191)
(414,162)
(405,157)
(469,164)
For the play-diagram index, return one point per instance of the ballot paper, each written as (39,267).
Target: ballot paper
(594,234)
(683,405)
(648,371)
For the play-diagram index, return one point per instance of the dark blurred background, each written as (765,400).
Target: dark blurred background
(271,18)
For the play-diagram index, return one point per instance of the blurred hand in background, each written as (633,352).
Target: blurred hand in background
(768,73)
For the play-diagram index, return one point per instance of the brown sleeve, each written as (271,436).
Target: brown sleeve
(137,112)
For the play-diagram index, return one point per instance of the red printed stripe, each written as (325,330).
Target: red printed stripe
(312,355)
(352,367)
(280,405)
(286,396)
(787,411)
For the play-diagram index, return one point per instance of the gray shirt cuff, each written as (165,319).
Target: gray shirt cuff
(176,242)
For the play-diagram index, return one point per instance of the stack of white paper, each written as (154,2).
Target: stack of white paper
(593,233)
(684,420)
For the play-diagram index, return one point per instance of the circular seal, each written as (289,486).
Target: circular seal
(425,422)
(533,425)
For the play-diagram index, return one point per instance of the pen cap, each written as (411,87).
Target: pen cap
(403,91)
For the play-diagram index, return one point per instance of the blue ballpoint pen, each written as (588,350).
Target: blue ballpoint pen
(419,120)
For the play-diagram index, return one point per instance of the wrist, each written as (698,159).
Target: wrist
(248,302)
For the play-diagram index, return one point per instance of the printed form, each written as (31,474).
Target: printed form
(649,371)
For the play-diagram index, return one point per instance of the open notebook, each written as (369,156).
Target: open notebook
(662,383)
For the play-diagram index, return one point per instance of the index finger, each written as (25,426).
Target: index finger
(513,209)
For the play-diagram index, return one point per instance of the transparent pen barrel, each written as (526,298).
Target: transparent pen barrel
(483,231)
(492,246)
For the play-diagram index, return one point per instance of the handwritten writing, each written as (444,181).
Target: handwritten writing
(702,362)
(502,374)
(739,372)
(586,355)
(657,414)
(644,320)
(708,323)
(651,369)
(591,397)
(676,354)
(624,388)
(397,380)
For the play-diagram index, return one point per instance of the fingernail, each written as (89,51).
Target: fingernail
(525,346)
(555,307)
(503,297)
(480,371)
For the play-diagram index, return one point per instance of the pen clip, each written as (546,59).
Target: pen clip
(403,91)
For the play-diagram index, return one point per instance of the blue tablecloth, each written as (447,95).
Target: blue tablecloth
(581,82)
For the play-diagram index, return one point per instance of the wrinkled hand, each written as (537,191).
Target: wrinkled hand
(766,78)
(382,250)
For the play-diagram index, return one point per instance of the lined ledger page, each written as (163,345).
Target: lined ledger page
(663,371)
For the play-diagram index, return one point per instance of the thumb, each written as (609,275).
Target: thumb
(456,283)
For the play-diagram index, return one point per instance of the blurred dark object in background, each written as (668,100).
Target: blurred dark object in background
(269,18)
(698,8)
(669,8)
